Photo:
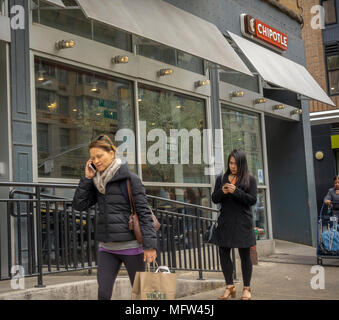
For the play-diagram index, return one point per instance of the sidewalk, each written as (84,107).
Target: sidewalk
(283,275)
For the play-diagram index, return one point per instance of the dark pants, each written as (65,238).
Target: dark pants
(108,267)
(227,265)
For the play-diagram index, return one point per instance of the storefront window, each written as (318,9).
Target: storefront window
(260,216)
(165,110)
(153,50)
(241,130)
(74,21)
(70,113)
(192,195)
(240,80)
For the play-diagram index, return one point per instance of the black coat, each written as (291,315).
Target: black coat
(114,208)
(235,223)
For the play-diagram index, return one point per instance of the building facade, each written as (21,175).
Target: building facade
(66,79)
(322,61)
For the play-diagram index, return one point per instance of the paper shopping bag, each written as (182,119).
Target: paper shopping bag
(154,286)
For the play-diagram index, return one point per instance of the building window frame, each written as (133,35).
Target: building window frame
(266,186)
(135,82)
(333,53)
(336,12)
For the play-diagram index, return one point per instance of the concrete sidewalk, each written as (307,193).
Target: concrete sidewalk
(285,275)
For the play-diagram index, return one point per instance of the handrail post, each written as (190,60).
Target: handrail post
(198,215)
(39,238)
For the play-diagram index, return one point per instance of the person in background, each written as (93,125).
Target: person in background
(332,197)
(236,191)
(117,244)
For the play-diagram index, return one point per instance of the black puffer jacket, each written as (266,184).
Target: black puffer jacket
(114,208)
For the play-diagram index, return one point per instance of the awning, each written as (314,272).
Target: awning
(280,71)
(58,3)
(166,24)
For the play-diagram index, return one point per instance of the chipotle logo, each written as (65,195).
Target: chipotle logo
(260,31)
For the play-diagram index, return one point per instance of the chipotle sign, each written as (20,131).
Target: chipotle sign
(262,32)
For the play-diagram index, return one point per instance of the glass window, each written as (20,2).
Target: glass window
(330,11)
(260,216)
(152,50)
(240,80)
(333,73)
(70,20)
(193,195)
(241,130)
(334,82)
(189,62)
(75,22)
(70,115)
(111,37)
(167,110)
(156,51)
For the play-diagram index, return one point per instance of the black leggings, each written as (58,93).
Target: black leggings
(108,268)
(227,265)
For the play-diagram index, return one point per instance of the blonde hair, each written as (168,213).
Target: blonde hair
(104,142)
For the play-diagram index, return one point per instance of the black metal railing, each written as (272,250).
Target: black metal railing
(46,235)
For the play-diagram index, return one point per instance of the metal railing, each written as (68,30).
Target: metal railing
(46,235)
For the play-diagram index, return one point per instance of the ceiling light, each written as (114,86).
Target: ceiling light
(237,94)
(75,109)
(120,59)
(260,100)
(201,83)
(165,72)
(178,107)
(297,111)
(278,107)
(64,44)
(41,75)
(94,87)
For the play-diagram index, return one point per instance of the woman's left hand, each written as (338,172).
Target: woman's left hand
(231,187)
(150,255)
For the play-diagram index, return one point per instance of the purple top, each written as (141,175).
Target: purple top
(126,252)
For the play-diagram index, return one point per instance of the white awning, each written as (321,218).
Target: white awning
(166,24)
(280,71)
(58,3)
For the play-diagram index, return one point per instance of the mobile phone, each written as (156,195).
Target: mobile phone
(92,166)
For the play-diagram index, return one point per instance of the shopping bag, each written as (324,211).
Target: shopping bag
(154,285)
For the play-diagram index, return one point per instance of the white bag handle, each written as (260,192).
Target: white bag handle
(163,268)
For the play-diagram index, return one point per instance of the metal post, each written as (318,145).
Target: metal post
(198,214)
(39,229)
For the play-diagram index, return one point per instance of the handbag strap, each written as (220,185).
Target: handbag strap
(130,196)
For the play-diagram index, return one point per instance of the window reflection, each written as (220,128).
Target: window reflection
(70,114)
(260,216)
(166,110)
(241,130)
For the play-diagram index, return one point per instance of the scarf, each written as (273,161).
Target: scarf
(101,178)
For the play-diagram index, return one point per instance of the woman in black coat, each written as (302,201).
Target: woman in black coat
(105,184)
(236,191)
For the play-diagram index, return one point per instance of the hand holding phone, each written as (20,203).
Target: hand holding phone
(90,169)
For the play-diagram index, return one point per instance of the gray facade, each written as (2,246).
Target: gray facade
(288,142)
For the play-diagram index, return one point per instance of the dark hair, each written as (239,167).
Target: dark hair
(242,172)
(335,178)
(104,142)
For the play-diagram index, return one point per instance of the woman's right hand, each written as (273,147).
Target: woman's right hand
(225,189)
(89,173)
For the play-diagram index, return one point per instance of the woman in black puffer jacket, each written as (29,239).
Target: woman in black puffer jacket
(107,187)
